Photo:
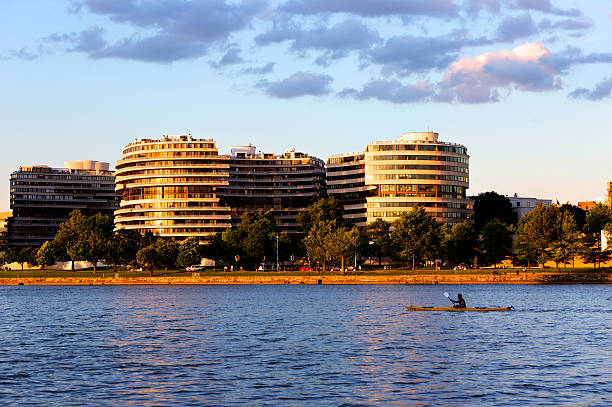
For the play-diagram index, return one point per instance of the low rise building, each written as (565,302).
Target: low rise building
(523,205)
(586,205)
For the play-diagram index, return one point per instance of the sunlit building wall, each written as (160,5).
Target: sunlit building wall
(346,182)
(169,187)
(415,169)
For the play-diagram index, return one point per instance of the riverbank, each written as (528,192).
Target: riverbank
(194,279)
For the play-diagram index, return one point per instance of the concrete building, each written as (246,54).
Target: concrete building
(180,186)
(42,197)
(522,205)
(394,176)
(169,187)
(284,184)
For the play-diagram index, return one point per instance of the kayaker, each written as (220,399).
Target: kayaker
(459,302)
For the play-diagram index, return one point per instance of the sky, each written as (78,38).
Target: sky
(525,85)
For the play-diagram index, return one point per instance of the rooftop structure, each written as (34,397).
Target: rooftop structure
(523,205)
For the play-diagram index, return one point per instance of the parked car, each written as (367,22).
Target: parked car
(306,268)
(460,267)
(195,268)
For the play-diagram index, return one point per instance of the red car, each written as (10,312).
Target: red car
(306,268)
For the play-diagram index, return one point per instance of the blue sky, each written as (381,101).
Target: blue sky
(524,84)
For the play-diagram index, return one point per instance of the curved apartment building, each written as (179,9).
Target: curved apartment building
(415,169)
(169,187)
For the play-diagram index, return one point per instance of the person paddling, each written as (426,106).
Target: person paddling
(459,302)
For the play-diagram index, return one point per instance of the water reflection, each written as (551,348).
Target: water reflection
(303,345)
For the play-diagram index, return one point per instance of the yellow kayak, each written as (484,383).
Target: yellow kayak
(481,309)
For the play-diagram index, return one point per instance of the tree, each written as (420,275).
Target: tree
(127,244)
(496,242)
(95,236)
(188,253)
(596,220)
(578,213)
(147,257)
(344,243)
(69,241)
(324,209)
(536,232)
(491,205)
(461,244)
(567,245)
(45,255)
(166,251)
(255,237)
(417,236)
(215,248)
(319,242)
(379,235)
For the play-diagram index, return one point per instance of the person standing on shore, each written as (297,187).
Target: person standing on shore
(459,302)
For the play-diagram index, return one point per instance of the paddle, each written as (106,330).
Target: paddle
(447,296)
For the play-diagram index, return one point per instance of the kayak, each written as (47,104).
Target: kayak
(481,309)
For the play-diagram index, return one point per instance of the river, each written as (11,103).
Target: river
(304,345)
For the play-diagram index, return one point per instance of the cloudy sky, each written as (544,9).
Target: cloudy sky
(524,84)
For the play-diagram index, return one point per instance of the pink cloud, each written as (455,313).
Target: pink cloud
(482,78)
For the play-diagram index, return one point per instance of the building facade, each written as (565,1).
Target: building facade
(42,197)
(416,169)
(523,205)
(284,184)
(169,187)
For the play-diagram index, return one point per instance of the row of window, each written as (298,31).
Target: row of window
(417,147)
(424,157)
(51,177)
(346,159)
(390,167)
(384,177)
(402,204)
(396,214)
(346,168)
(165,146)
(346,185)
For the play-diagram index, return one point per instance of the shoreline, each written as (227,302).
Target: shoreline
(431,279)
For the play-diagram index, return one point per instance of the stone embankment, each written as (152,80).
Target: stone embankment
(508,278)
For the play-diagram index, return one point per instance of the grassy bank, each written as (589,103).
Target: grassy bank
(36,273)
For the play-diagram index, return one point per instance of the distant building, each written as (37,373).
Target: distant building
(522,205)
(42,197)
(586,205)
(284,184)
(394,176)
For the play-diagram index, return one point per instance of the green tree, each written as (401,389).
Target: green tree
(127,244)
(461,244)
(255,238)
(596,220)
(491,205)
(578,213)
(189,252)
(536,233)
(417,236)
(45,255)
(147,257)
(345,242)
(215,248)
(324,209)
(567,244)
(496,242)
(95,236)
(379,235)
(69,240)
(167,251)
(319,242)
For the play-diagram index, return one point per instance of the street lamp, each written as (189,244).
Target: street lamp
(277,253)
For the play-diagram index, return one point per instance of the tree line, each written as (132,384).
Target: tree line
(415,239)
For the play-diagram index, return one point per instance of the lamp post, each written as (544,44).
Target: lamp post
(277,253)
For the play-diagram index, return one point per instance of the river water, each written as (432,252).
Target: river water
(304,345)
